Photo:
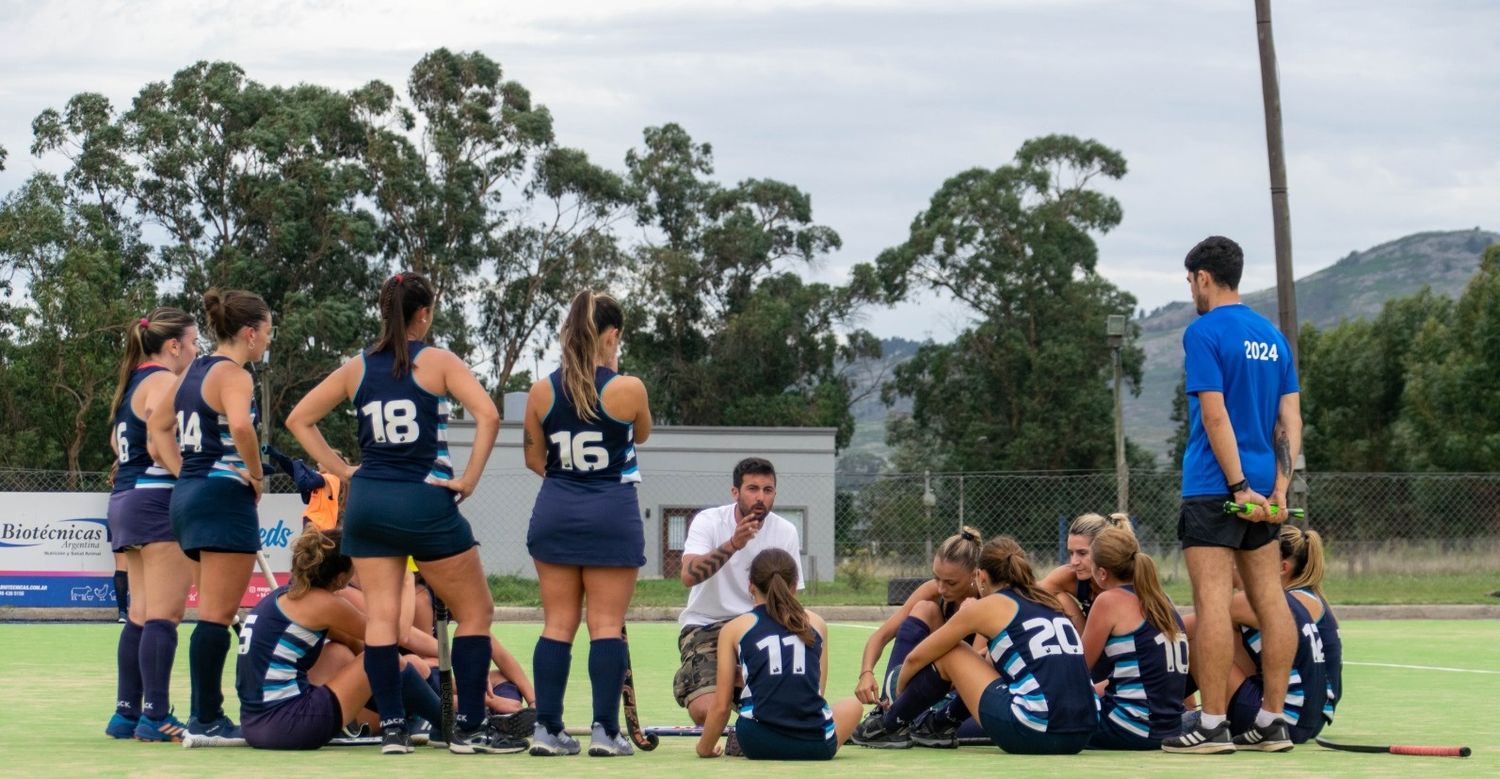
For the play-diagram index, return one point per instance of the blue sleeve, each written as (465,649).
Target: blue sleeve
(1201,361)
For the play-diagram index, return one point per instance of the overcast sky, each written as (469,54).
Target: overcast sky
(1391,110)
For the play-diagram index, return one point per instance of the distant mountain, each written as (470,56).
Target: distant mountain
(869,412)
(1355,287)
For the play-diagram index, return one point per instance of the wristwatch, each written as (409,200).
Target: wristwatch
(1242,484)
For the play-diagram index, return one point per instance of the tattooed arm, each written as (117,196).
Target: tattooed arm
(697,569)
(533,437)
(1287,441)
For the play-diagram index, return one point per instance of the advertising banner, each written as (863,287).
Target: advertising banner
(55,550)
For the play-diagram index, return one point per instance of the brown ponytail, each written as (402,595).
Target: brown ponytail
(1305,549)
(1116,550)
(230,311)
(143,338)
(962,548)
(1004,561)
(401,296)
(774,573)
(317,561)
(589,315)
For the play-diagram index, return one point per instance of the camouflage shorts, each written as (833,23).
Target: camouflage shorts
(699,647)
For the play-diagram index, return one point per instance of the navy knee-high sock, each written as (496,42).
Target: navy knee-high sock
(954,713)
(418,697)
(207,650)
(910,633)
(607,677)
(157,654)
(383,667)
(471,671)
(128,671)
(550,662)
(122,592)
(924,689)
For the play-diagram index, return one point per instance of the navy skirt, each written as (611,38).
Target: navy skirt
(138,517)
(307,721)
(386,518)
(587,523)
(214,514)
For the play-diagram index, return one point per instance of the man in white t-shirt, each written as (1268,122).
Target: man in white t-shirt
(721,543)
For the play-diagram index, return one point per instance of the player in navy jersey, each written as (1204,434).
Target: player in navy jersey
(780,651)
(582,425)
(403,501)
(1245,431)
(1316,679)
(283,638)
(1034,696)
(216,459)
(1074,583)
(925,610)
(158,348)
(1136,645)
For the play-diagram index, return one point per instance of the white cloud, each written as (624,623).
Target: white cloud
(869,106)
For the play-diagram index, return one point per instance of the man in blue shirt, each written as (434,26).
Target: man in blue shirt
(1245,430)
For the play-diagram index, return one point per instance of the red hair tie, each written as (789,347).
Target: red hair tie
(145,322)
(397,277)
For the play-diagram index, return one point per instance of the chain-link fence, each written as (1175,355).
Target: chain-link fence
(888,525)
(1371,522)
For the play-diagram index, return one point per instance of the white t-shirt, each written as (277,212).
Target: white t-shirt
(726,594)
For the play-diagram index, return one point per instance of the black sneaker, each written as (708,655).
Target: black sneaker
(872,733)
(1271,738)
(487,739)
(518,724)
(931,730)
(395,740)
(1201,741)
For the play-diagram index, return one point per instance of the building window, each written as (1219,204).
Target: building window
(798,518)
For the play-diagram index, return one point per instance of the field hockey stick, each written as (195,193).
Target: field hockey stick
(1396,749)
(445,664)
(643,741)
(1230,507)
(665,731)
(265,569)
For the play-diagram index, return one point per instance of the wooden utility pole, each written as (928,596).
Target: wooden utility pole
(1281,220)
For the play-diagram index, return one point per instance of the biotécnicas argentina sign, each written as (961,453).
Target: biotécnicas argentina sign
(55,550)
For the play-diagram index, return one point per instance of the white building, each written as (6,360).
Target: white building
(683,470)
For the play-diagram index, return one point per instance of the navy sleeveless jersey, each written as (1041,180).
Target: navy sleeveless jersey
(136,468)
(1333,655)
(782,676)
(1040,658)
(602,450)
(403,429)
(1307,694)
(275,653)
(203,433)
(1085,594)
(1147,673)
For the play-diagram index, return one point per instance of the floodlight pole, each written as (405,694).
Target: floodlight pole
(1281,220)
(1114,329)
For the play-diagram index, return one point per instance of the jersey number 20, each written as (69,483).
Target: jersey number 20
(1055,637)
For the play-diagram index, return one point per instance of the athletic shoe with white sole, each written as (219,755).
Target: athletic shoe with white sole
(395,740)
(1271,738)
(1201,741)
(934,730)
(601,744)
(546,744)
(873,734)
(487,739)
(518,724)
(221,732)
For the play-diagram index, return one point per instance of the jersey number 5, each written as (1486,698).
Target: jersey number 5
(576,451)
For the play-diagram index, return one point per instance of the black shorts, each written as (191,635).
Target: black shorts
(1203,522)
